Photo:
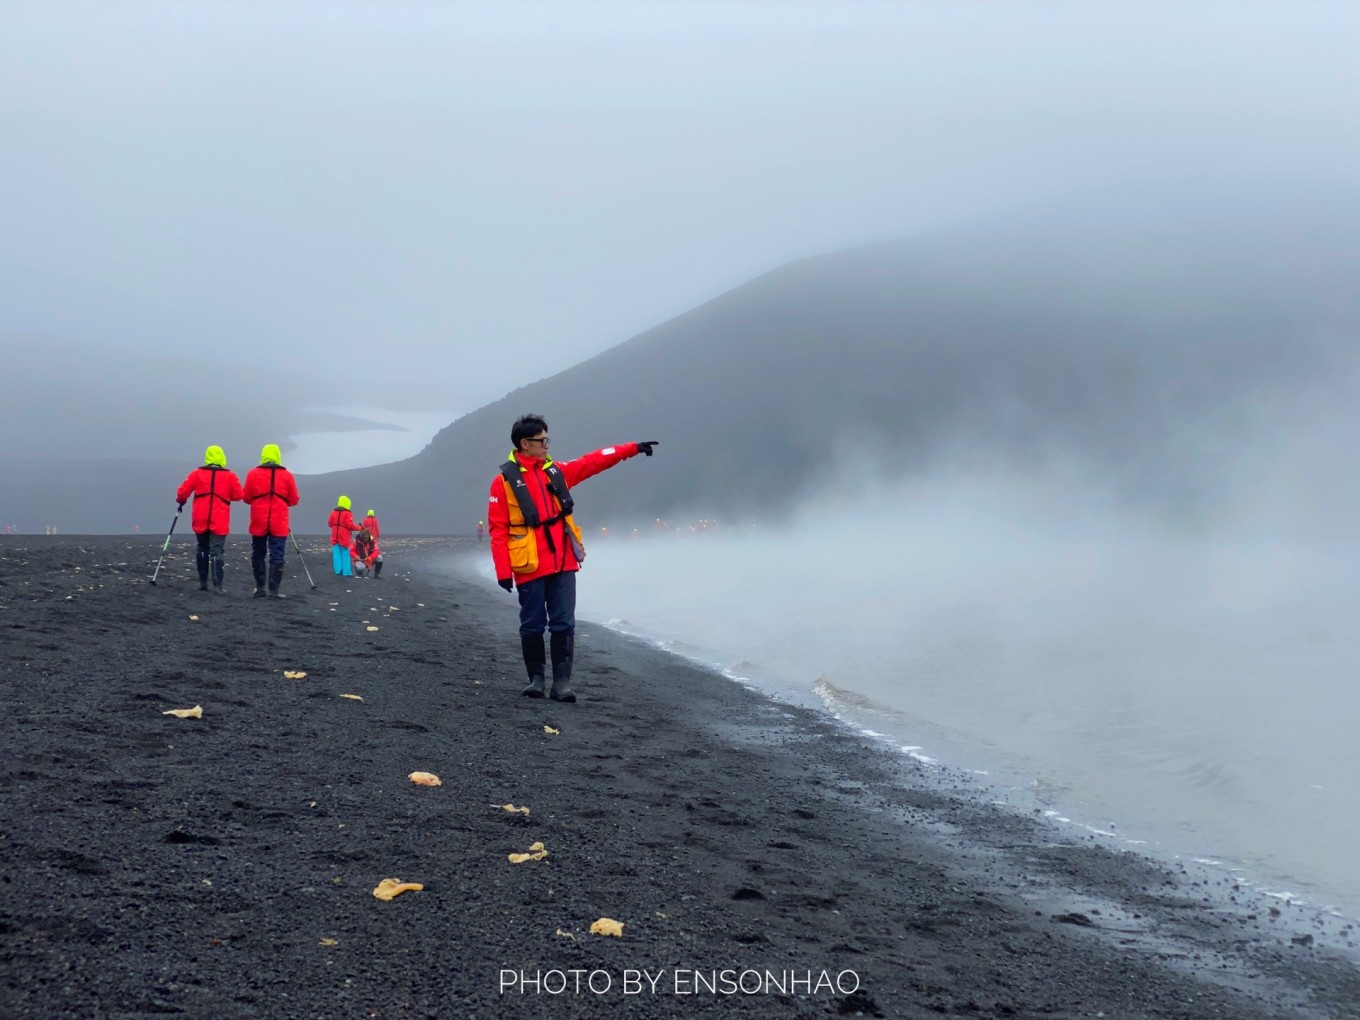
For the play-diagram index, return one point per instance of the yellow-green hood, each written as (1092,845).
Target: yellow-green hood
(214,456)
(270,454)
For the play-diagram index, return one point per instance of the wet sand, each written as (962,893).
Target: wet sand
(224,867)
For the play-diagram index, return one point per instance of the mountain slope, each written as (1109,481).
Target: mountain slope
(1135,347)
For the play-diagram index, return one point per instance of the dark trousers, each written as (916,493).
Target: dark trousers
(277,545)
(548,602)
(210,549)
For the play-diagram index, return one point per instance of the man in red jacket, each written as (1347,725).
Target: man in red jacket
(536,545)
(214,489)
(270,490)
(370,524)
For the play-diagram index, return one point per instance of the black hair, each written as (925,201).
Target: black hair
(526,427)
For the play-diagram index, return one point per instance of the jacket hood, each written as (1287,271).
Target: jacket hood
(343,503)
(270,454)
(214,456)
(370,514)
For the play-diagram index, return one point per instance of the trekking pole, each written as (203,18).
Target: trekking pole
(301,560)
(167,543)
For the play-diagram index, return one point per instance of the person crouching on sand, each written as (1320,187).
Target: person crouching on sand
(214,489)
(270,490)
(374,532)
(341,523)
(362,555)
(536,545)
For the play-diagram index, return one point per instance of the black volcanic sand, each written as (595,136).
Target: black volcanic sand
(224,867)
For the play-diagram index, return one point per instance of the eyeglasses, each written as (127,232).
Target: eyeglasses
(545,441)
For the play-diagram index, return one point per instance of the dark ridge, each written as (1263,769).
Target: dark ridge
(1104,337)
(1101,334)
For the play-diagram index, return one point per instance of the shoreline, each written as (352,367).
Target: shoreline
(1008,785)
(202,867)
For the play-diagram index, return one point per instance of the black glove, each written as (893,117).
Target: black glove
(647,447)
(507,583)
(181,506)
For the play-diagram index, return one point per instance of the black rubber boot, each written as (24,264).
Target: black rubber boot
(532,644)
(377,569)
(257,568)
(201,557)
(275,579)
(563,645)
(219,568)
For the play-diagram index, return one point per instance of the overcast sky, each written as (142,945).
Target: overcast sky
(485,194)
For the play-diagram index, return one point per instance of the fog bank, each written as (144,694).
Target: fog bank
(1190,682)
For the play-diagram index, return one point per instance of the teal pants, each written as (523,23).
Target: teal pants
(340,561)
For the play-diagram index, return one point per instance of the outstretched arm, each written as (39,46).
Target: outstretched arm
(590,464)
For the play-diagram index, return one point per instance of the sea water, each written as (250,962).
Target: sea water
(406,434)
(1196,696)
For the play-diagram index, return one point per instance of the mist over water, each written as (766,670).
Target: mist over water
(1191,684)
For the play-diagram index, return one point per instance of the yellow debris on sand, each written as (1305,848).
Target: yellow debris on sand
(536,853)
(607,926)
(425,779)
(186,713)
(390,887)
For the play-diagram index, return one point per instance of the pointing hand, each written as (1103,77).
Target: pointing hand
(647,447)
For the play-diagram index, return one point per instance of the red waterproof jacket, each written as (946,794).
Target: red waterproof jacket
(560,557)
(270,490)
(341,523)
(214,490)
(363,553)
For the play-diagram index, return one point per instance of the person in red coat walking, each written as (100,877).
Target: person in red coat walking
(536,546)
(341,523)
(214,489)
(270,490)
